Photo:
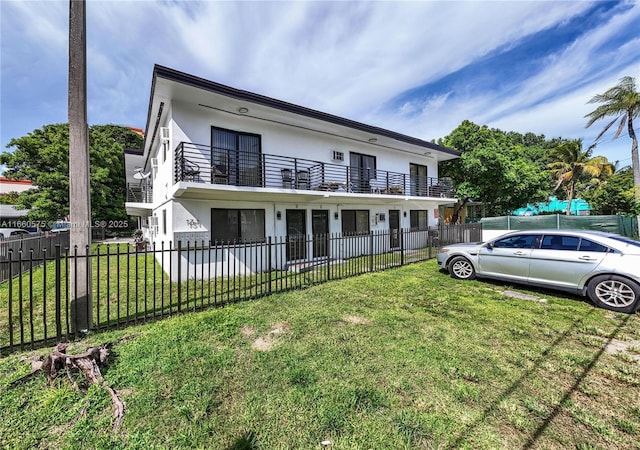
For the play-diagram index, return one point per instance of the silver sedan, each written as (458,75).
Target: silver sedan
(603,266)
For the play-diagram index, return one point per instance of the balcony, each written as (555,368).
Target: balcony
(203,164)
(139,192)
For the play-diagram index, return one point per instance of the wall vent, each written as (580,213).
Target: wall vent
(337,155)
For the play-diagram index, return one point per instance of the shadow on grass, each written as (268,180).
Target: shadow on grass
(248,441)
(531,442)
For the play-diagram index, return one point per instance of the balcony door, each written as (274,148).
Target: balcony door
(363,169)
(235,158)
(418,176)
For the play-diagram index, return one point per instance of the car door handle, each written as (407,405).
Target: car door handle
(519,253)
(587,258)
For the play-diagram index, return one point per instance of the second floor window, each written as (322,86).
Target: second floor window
(363,169)
(236,157)
(418,175)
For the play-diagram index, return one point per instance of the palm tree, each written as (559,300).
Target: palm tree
(622,102)
(572,163)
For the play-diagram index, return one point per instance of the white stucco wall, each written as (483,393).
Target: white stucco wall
(193,124)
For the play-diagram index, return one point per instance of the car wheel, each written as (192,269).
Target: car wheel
(614,292)
(461,268)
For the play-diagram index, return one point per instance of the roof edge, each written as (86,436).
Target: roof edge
(201,83)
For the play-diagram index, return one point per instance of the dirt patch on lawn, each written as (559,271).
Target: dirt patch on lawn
(248,331)
(267,342)
(523,296)
(617,346)
(356,319)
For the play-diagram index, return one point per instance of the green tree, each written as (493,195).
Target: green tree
(502,170)
(572,163)
(622,102)
(615,195)
(10,198)
(42,156)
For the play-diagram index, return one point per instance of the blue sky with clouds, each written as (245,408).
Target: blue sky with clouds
(419,68)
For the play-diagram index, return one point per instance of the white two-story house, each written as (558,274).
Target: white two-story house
(224,165)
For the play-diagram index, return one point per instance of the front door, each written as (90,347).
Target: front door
(320,230)
(394,228)
(296,232)
(509,257)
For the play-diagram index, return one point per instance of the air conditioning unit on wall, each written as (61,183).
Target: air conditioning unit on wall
(165,133)
(153,225)
(337,155)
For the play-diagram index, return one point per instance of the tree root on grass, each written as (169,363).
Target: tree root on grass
(88,363)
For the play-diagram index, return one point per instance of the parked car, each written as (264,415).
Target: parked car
(9,232)
(60,226)
(603,266)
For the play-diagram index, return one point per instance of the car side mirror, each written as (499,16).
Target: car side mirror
(489,245)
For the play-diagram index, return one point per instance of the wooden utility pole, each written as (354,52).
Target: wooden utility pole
(79,193)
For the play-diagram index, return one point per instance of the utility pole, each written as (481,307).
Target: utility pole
(79,193)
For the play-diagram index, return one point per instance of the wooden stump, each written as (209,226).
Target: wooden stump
(88,363)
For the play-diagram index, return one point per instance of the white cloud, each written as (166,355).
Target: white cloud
(346,58)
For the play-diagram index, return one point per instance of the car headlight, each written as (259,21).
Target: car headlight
(444,250)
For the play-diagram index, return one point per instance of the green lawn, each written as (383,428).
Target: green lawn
(403,359)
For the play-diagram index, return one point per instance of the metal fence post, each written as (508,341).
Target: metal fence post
(10,265)
(401,233)
(179,273)
(371,251)
(58,294)
(270,267)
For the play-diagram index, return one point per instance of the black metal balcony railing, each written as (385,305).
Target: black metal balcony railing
(139,192)
(205,164)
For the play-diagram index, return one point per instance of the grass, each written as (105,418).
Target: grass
(402,359)
(128,287)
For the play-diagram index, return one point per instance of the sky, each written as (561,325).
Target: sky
(418,68)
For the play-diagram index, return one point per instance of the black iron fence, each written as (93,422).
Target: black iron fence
(37,245)
(129,286)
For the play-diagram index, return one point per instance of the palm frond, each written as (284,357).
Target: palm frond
(604,130)
(623,122)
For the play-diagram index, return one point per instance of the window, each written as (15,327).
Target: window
(237,225)
(164,221)
(355,221)
(236,157)
(590,246)
(519,241)
(363,169)
(559,242)
(419,219)
(418,175)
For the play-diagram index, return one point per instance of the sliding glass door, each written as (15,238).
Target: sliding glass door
(363,169)
(235,158)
